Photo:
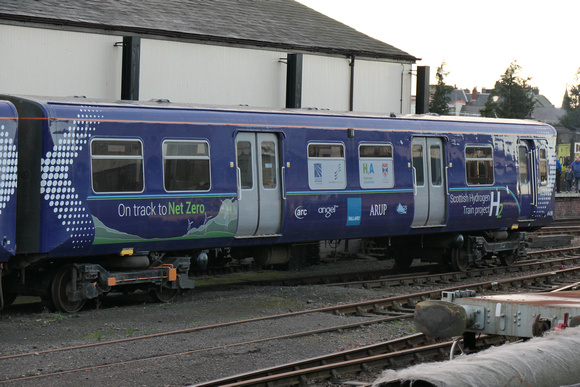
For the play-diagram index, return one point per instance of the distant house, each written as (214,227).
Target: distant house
(544,110)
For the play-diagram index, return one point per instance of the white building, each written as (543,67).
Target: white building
(275,53)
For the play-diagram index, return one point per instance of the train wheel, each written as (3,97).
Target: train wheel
(507,258)
(9,296)
(403,261)
(459,260)
(163,294)
(61,286)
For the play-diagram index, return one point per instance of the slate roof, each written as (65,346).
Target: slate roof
(281,24)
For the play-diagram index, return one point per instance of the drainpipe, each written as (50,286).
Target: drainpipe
(351,101)
(130,68)
(402,80)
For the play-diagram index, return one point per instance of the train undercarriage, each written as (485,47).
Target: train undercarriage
(460,251)
(66,286)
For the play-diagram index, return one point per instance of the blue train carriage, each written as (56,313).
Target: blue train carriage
(434,188)
(491,183)
(126,193)
(87,221)
(8,183)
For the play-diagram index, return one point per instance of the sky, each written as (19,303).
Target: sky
(477,39)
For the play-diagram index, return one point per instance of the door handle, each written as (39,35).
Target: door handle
(283,173)
(239,182)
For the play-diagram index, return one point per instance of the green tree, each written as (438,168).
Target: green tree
(440,102)
(571,104)
(489,109)
(515,96)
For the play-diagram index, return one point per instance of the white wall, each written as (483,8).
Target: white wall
(377,87)
(207,74)
(325,82)
(56,63)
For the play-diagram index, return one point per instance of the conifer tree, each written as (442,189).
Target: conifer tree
(515,96)
(571,104)
(440,102)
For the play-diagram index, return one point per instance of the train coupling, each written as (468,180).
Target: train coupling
(444,318)
(518,315)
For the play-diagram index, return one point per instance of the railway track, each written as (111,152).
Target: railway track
(373,359)
(138,349)
(370,360)
(419,274)
(386,277)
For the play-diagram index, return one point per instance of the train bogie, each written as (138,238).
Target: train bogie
(99,181)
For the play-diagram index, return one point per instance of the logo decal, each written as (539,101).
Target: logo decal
(300,212)
(402,209)
(378,209)
(318,172)
(337,172)
(367,170)
(354,207)
(327,211)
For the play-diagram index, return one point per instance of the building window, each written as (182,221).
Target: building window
(326,166)
(479,165)
(186,166)
(117,165)
(375,166)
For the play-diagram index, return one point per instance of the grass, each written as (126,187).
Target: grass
(96,335)
(49,318)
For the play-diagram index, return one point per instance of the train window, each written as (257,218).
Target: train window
(417,151)
(244,154)
(435,155)
(375,166)
(326,166)
(479,165)
(523,161)
(268,164)
(543,167)
(325,150)
(186,166)
(117,165)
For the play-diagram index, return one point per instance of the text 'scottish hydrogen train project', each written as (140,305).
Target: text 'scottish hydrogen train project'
(95,195)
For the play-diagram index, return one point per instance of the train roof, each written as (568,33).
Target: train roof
(166,104)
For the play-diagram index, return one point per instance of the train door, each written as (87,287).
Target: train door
(428,181)
(527,171)
(259,185)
